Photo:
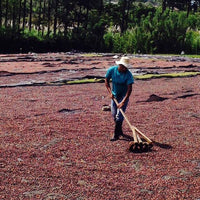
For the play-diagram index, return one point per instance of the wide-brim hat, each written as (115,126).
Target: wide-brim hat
(124,61)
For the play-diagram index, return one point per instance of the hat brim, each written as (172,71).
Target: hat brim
(124,64)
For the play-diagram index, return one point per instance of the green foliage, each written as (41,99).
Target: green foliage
(170,75)
(158,33)
(127,26)
(108,41)
(31,34)
(9,39)
(192,41)
(24,41)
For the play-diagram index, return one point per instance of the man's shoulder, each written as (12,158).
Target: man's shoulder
(129,73)
(130,77)
(111,71)
(113,67)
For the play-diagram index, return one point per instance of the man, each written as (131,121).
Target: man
(122,81)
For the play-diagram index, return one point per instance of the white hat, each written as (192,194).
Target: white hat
(124,61)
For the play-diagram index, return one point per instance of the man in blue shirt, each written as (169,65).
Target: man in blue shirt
(122,81)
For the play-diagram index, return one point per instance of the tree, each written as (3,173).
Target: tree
(6,14)
(49,18)
(124,12)
(30,14)
(56,5)
(186,5)
(14,10)
(39,16)
(24,14)
(164,5)
(19,13)
(0,13)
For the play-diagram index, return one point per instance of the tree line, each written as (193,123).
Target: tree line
(124,26)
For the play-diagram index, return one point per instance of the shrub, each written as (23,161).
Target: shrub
(192,42)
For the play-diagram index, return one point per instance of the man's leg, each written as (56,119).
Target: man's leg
(114,113)
(118,118)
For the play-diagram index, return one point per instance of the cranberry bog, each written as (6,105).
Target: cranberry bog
(55,137)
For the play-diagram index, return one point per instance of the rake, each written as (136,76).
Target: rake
(140,141)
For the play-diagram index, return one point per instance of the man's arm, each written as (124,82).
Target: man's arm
(128,93)
(107,83)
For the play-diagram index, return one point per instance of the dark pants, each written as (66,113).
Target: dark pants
(117,115)
(118,118)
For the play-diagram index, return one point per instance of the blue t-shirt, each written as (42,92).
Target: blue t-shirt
(120,81)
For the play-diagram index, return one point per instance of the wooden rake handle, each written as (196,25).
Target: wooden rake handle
(133,128)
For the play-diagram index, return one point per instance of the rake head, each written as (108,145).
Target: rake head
(140,147)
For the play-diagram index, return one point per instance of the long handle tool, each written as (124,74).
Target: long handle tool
(138,143)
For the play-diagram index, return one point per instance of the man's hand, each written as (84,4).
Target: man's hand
(112,96)
(107,83)
(121,104)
